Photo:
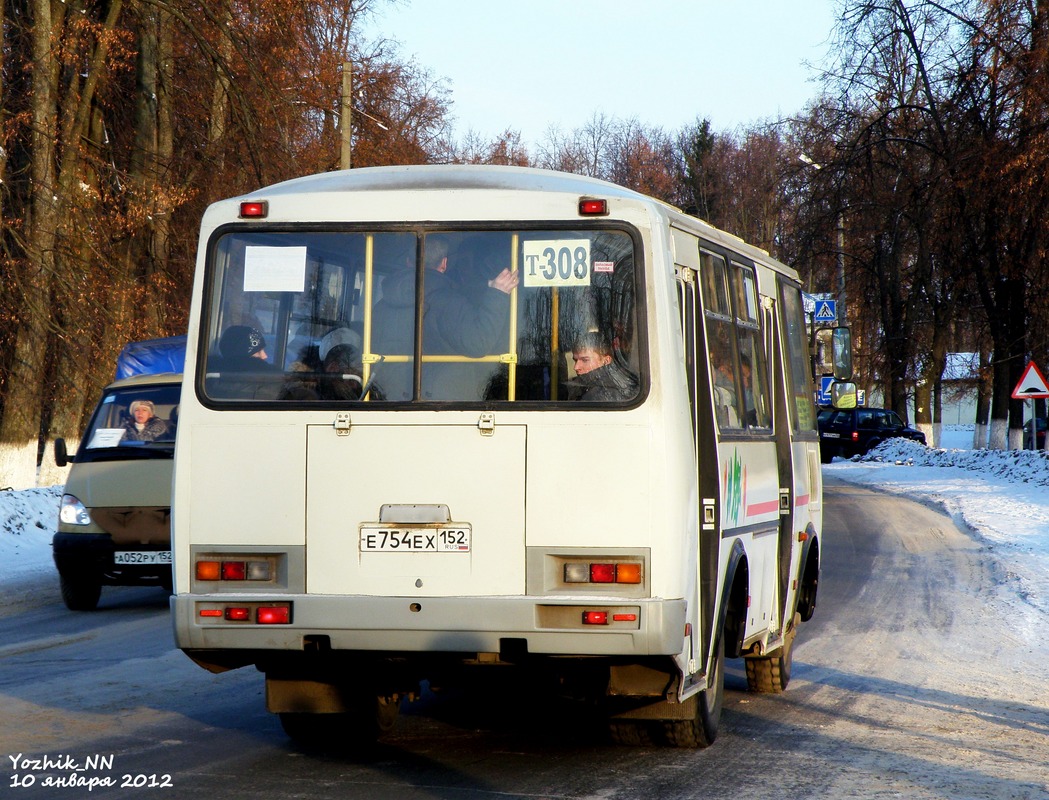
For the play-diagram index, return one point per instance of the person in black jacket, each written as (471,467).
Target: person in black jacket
(598,377)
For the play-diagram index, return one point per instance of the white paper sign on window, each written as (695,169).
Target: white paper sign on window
(556,262)
(274,269)
(106,437)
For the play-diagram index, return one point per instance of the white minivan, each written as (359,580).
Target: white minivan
(114,524)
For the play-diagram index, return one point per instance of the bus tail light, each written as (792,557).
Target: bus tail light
(629,572)
(234,570)
(595,617)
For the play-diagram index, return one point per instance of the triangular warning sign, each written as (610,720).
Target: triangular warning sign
(1032,384)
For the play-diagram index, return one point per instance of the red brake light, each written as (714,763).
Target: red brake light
(602,573)
(592,207)
(254,209)
(238,613)
(595,617)
(234,570)
(273,615)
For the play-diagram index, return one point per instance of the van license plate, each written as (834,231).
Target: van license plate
(384,539)
(142,557)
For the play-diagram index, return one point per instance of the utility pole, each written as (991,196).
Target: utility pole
(841,268)
(344,115)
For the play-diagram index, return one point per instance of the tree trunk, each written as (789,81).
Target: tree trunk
(983,401)
(20,428)
(81,127)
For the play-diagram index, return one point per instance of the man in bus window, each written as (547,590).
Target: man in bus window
(598,377)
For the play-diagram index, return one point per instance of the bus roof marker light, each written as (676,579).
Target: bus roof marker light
(593,207)
(254,209)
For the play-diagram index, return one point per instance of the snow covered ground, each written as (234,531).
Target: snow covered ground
(1002,497)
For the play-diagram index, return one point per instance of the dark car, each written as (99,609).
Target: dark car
(850,432)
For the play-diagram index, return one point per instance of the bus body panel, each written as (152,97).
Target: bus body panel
(242,493)
(437,626)
(480,480)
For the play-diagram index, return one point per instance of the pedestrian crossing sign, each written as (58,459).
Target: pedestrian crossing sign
(826,311)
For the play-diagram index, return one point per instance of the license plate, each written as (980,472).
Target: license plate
(832,436)
(429,539)
(142,557)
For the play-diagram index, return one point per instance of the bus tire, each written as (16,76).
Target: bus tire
(771,674)
(702,729)
(631,732)
(80,592)
(372,718)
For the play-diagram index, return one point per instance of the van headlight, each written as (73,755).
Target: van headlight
(72,511)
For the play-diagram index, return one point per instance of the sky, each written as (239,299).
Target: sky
(1000,497)
(538,64)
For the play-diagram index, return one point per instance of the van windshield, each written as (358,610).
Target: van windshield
(132,422)
(545,316)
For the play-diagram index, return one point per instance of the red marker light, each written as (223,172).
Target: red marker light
(211,612)
(624,617)
(591,207)
(238,613)
(233,570)
(595,617)
(254,209)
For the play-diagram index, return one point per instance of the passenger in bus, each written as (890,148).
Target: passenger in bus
(342,379)
(143,425)
(243,349)
(244,371)
(458,319)
(726,404)
(749,410)
(598,377)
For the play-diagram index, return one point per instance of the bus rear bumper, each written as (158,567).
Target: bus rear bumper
(551,626)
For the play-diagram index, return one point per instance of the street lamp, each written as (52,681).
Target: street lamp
(840,248)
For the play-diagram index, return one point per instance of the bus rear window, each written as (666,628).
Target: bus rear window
(461,316)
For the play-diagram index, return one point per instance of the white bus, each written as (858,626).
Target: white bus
(439,420)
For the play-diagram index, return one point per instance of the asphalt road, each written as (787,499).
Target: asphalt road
(910,682)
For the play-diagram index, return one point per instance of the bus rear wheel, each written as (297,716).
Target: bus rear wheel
(372,717)
(702,728)
(771,674)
